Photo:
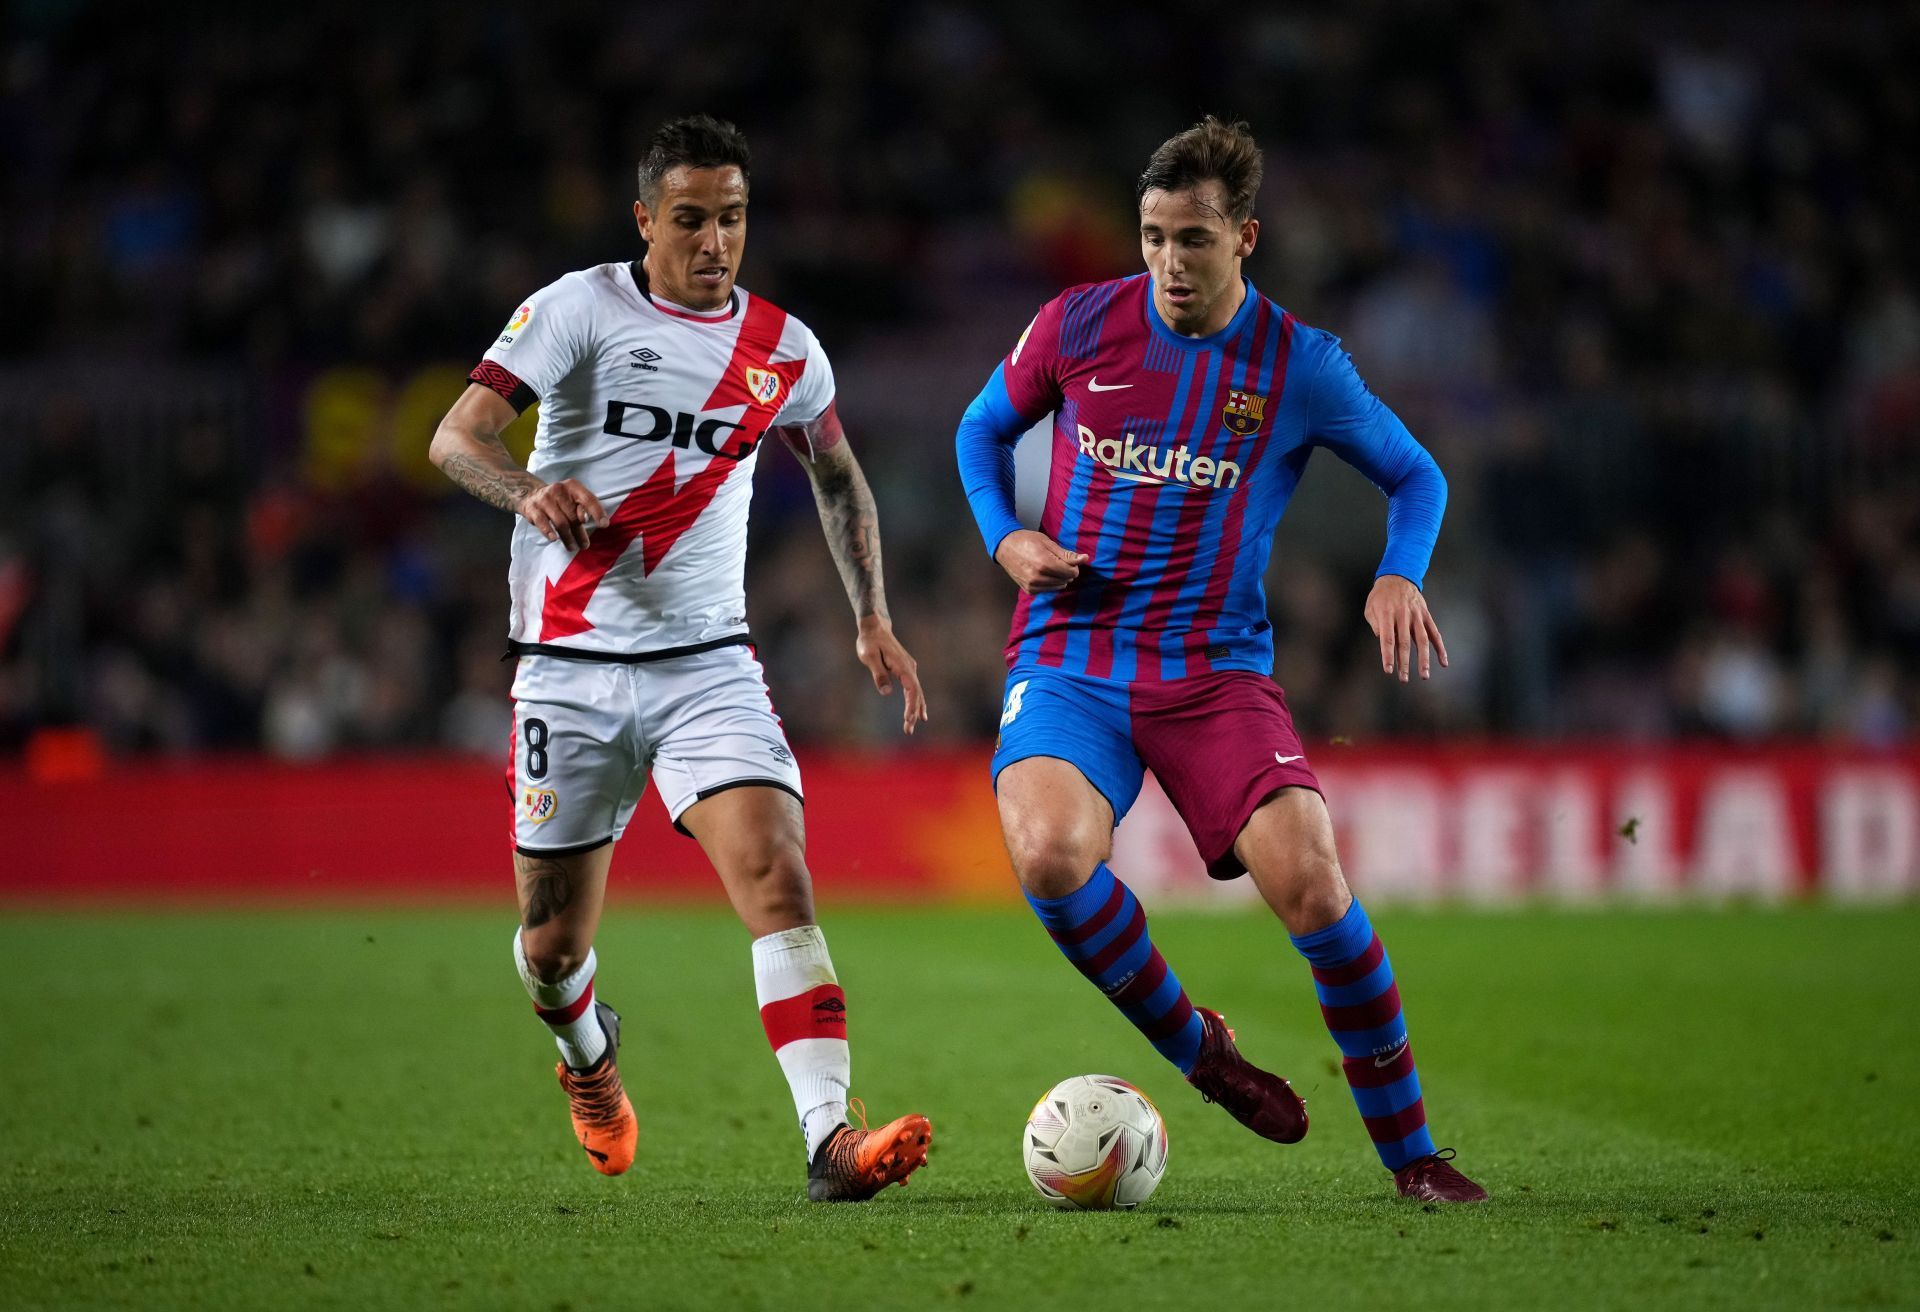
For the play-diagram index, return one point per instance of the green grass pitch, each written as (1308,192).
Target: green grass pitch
(356,1109)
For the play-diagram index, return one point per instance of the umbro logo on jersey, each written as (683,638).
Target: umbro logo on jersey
(781,753)
(1137,462)
(646,358)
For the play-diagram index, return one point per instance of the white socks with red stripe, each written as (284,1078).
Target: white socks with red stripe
(805,1015)
(566,1005)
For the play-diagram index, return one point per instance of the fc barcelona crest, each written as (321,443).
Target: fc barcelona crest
(1243,412)
(763,385)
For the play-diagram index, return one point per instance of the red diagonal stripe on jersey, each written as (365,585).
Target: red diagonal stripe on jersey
(658,512)
(760,332)
(655,510)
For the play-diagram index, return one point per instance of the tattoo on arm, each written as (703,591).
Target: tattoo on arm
(545,889)
(852,524)
(498,482)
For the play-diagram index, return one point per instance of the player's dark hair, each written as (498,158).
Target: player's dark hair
(699,141)
(1209,151)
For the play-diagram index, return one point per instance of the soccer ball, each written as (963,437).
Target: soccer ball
(1095,1142)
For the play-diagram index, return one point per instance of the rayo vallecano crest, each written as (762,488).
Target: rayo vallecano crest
(1243,412)
(763,385)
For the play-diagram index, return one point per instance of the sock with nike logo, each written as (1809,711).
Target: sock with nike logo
(1361,1004)
(1103,931)
(805,1016)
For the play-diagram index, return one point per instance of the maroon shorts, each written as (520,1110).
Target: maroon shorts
(1220,744)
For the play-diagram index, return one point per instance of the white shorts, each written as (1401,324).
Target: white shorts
(585,733)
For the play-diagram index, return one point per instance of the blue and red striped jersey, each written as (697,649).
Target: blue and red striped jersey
(1173,459)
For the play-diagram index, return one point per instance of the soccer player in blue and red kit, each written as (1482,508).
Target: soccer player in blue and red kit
(1185,406)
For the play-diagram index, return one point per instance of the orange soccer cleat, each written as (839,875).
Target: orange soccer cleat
(854,1165)
(603,1118)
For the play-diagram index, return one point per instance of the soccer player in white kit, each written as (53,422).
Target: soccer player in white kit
(657,382)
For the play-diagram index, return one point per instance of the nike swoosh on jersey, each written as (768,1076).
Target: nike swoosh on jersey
(1095,385)
(1284,760)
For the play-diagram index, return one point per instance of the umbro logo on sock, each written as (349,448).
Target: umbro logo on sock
(833,1007)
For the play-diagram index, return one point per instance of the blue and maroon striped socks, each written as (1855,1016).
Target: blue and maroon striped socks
(1361,1005)
(1103,931)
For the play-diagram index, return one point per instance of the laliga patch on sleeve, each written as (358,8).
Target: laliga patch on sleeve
(521,318)
(1021,345)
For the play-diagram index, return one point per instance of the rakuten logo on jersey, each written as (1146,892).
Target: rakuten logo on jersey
(650,423)
(1137,462)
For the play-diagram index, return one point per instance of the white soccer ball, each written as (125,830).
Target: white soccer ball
(1095,1142)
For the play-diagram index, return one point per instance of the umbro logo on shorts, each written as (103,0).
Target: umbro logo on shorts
(781,752)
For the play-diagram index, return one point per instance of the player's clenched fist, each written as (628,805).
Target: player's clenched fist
(1036,562)
(565,511)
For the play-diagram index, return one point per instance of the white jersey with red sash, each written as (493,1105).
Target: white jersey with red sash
(660,412)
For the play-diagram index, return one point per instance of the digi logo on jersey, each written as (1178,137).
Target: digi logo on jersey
(651,423)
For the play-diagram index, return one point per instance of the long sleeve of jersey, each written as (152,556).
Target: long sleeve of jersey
(1349,420)
(984,446)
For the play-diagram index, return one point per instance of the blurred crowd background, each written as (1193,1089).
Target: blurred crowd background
(1642,276)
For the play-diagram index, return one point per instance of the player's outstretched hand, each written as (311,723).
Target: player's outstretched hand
(1036,562)
(886,660)
(565,511)
(1398,614)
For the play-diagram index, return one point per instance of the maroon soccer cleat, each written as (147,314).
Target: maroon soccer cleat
(1433,1180)
(1259,1100)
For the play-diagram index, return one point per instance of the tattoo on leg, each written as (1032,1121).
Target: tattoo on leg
(545,890)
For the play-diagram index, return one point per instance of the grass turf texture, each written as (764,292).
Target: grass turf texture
(356,1109)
